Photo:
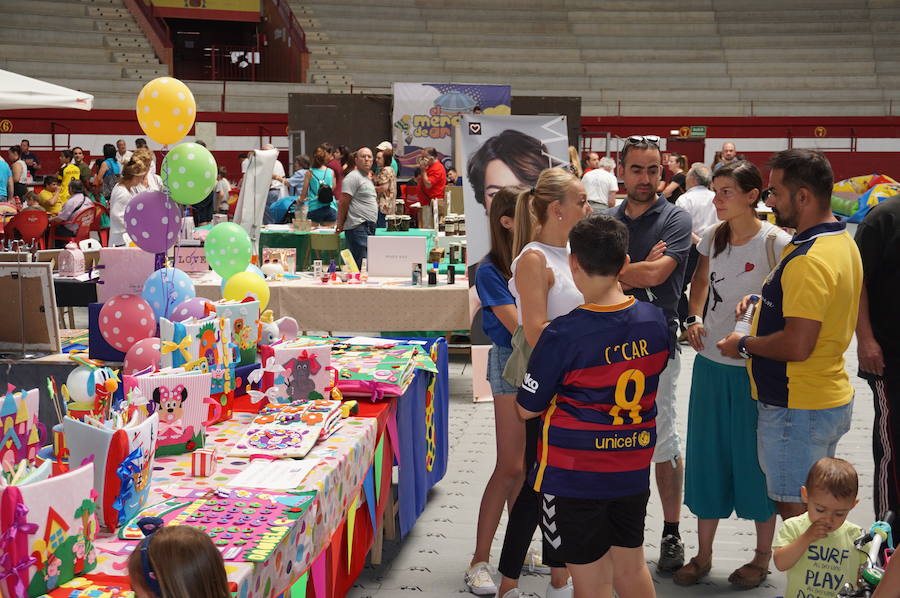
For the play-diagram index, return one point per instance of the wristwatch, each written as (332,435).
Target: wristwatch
(691,320)
(742,347)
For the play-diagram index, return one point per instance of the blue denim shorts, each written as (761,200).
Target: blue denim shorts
(790,441)
(497,358)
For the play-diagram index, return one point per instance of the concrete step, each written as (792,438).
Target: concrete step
(401,26)
(427,66)
(788,14)
(503,39)
(673,95)
(812,82)
(69,26)
(87,70)
(511,5)
(659,69)
(817,108)
(672,15)
(606,55)
(109,12)
(800,96)
(776,5)
(642,28)
(833,40)
(124,42)
(801,68)
(658,43)
(447,13)
(890,67)
(797,28)
(45,7)
(648,5)
(770,55)
(372,37)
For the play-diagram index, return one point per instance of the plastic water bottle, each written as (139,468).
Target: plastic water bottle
(746,321)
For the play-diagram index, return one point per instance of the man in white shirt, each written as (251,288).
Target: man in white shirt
(697,200)
(601,185)
(275,187)
(122,154)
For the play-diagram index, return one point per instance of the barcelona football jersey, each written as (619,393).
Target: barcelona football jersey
(594,374)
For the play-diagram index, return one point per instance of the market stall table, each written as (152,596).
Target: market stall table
(383,304)
(345,459)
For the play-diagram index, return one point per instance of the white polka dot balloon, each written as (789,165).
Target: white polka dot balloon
(124,317)
(149,218)
(165,289)
(142,355)
(166,110)
(189,173)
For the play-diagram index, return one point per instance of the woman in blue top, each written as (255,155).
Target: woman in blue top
(499,319)
(317,176)
(107,179)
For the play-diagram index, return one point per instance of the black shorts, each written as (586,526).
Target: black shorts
(583,530)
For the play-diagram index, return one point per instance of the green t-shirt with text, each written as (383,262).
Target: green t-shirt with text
(827,563)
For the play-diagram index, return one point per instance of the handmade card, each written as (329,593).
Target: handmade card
(123,460)
(47,531)
(296,372)
(182,399)
(290,430)
(376,372)
(123,270)
(21,433)
(245,524)
(194,339)
(244,318)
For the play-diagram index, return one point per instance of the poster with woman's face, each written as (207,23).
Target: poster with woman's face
(498,151)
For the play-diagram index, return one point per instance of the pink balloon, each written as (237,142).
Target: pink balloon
(126,319)
(195,307)
(143,354)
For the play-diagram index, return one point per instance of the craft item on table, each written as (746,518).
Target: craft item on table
(376,372)
(305,372)
(70,261)
(89,388)
(282,329)
(47,531)
(93,586)
(245,326)
(203,462)
(123,460)
(98,348)
(280,474)
(289,431)
(21,432)
(242,399)
(192,339)
(285,257)
(181,398)
(123,270)
(245,524)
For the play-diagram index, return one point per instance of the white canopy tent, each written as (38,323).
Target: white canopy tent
(18,91)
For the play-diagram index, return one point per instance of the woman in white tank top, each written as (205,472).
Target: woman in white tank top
(542,281)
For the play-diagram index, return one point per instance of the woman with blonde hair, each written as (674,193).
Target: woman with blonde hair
(575,161)
(543,288)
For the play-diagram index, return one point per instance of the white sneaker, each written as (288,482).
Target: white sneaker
(479,580)
(567,591)
(517,593)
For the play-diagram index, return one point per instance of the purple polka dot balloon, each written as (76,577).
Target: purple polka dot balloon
(152,221)
(191,308)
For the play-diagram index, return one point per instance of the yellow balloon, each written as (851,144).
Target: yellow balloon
(166,110)
(247,284)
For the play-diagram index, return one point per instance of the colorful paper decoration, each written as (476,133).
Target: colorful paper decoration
(70,261)
(21,433)
(296,372)
(123,461)
(203,462)
(289,430)
(55,526)
(245,524)
(192,339)
(102,586)
(245,326)
(181,399)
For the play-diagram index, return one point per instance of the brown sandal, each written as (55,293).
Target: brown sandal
(749,576)
(691,573)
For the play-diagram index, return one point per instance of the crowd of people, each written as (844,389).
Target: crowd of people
(580,299)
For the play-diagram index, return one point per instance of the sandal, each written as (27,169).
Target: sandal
(750,576)
(691,573)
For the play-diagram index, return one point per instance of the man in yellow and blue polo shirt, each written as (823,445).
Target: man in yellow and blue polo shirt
(803,325)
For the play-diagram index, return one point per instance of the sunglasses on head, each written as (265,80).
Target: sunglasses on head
(637,139)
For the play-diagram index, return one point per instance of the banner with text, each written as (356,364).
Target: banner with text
(426,113)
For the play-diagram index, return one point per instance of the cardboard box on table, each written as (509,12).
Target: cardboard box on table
(123,461)
(55,522)
(181,398)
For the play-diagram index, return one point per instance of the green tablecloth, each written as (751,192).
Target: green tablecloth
(300,241)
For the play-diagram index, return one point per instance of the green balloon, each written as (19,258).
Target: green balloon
(189,173)
(228,249)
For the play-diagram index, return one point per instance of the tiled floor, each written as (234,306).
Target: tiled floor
(431,560)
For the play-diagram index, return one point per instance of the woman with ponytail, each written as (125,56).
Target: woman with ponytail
(543,288)
(722,472)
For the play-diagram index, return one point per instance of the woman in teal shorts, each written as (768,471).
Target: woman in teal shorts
(722,472)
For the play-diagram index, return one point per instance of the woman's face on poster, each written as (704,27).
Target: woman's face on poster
(496,176)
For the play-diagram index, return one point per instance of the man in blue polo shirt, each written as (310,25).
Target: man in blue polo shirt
(659,244)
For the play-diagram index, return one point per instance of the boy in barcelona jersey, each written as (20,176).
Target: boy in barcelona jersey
(593,379)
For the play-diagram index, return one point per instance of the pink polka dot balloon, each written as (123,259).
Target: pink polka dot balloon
(126,319)
(142,355)
(152,221)
(195,307)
